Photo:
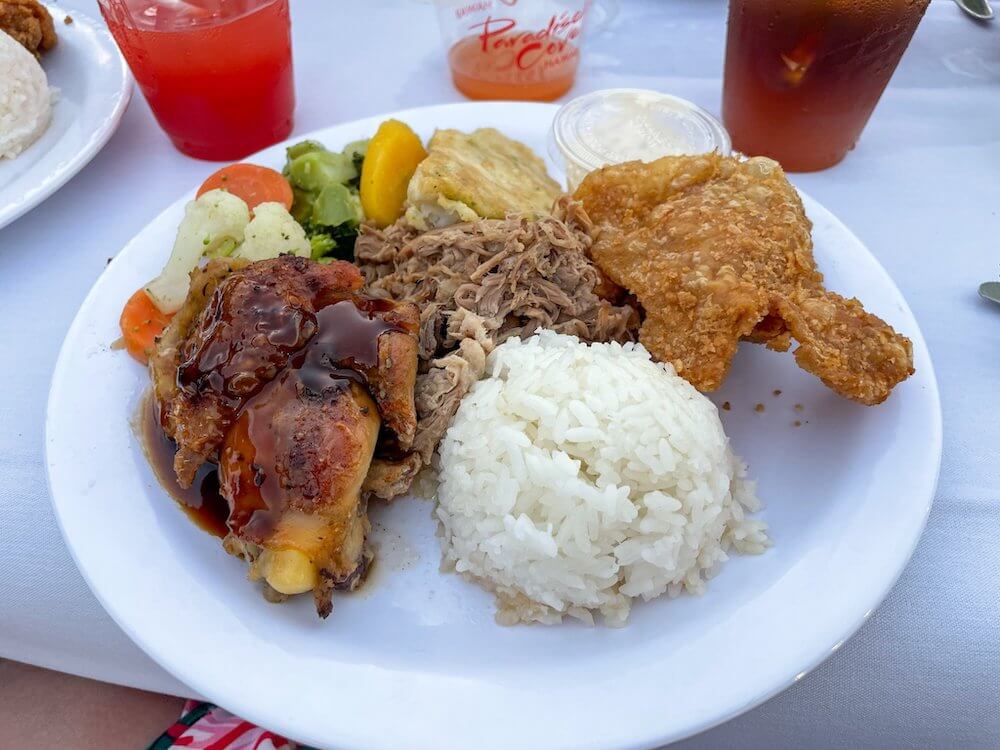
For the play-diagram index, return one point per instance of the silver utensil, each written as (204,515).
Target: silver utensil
(978,9)
(990,290)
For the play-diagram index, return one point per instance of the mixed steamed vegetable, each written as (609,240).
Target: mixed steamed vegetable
(326,201)
(312,208)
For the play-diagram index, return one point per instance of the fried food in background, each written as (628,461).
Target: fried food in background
(718,250)
(287,378)
(478,175)
(480,283)
(29,23)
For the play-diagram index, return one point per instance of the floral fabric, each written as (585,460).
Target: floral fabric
(203,726)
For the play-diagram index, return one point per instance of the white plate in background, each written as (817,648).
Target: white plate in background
(415,659)
(94,90)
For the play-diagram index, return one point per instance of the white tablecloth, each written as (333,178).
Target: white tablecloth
(922,189)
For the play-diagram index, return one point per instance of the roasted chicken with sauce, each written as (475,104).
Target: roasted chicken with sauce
(293,383)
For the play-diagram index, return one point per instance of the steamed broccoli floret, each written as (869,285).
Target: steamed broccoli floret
(332,242)
(326,201)
(321,245)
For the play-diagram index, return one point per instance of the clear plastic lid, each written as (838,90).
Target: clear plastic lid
(616,125)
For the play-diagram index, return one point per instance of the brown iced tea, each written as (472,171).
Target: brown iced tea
(803,76)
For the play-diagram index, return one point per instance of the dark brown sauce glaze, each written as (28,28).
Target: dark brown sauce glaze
(346,344)
(343,351)
(248,459)
(237,361)
(296,349)
(202,501)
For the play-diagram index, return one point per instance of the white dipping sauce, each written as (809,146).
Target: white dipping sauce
(617,125)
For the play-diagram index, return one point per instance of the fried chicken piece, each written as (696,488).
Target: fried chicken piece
(284,375)
(717,250)
(29,23)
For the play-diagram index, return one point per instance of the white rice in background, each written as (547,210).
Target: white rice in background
(25,98)
(575,478)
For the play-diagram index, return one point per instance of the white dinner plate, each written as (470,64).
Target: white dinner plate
(415,659)
(94,90)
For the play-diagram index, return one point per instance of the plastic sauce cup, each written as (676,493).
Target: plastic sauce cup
(612,126)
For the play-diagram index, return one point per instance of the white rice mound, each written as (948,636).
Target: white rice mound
(25,98)
(577,477)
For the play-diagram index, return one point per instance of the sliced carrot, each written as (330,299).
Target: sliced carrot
(141,322)
(252,183)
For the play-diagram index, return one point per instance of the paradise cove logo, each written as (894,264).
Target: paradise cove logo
(549,46)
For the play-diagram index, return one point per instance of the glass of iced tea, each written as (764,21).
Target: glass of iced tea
(518,49)
(803,76)
(216,73)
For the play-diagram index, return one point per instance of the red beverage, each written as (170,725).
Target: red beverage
(803,76)
(508,68)
(216,73)
(527,49)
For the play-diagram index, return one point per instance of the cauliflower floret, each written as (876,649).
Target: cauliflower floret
(213,224)
(219,223)
(272,232)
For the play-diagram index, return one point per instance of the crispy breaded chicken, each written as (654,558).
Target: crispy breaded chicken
(285,376)
(718,250)
(29,23)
